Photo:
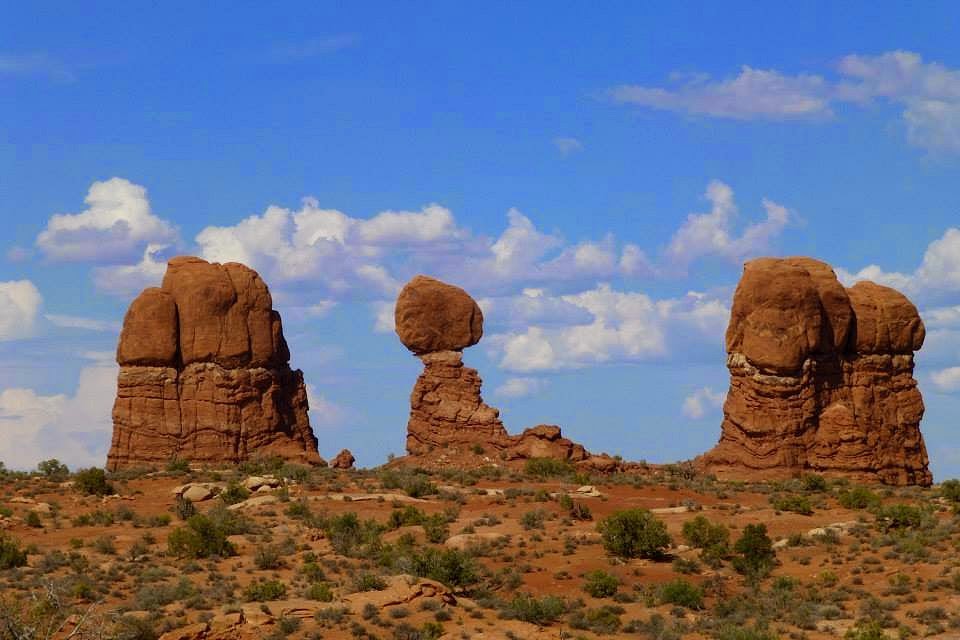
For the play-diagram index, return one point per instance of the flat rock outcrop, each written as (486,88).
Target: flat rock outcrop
(821,379)
(204,373)
(450,424)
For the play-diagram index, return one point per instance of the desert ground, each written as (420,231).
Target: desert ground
(277,550)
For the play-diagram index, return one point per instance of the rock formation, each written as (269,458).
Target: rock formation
(821,379)
(204,373)
(449,421)
(343,460)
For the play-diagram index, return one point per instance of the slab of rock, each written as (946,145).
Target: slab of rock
(821,379)
(204,373)
(343,460)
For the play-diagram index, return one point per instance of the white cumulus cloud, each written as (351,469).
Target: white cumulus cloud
(711,234)
(20,302)
(702,401)
(520,387)
(117,225)
(72,428)
(946,380)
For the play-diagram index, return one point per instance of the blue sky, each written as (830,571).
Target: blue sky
(594,177)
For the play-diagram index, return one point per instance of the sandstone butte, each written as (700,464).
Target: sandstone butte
(450,424)
(821,379)
(204,373)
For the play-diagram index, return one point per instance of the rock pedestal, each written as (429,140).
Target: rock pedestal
(204,373)
(450,424)
(821,379)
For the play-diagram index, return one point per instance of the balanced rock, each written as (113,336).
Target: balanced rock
(435,316)
(449,423)
(821,378)
(204,373)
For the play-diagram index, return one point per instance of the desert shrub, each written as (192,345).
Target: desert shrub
(202,537)
(544,468)
(533,519)
(268,556)
(11,555)
(900,516)
(633,533)
(604,620)
(539,611)
(369,582)
(33,520)
(234,493)
(792,503)
(263,590)
(151,597)
(868,630)
(184,508)
(104,545)
(813,483)
(53,469)
(950,489)
(712,539)
(351,536)
(405,517)
(736,632)
(755,556)
(681,593)
(92,482)
(415,484)
(178,466)
(436,529)
(319,591)
(601,584)
(858,497)
(454,568)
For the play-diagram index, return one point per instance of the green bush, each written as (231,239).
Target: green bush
(53,469)
(681,593)
(320,592)
(533,519)
(452,567)
(11,555)
(814,483)
(92,482)
(202,537)
(415,484)
(234,493)
(352,537)
(858,498)
(369,582)
(950,489)
(264,590)
(604,620)
(899,516)
(539,611)
(792,503)
(736,632)
(184,508)
(601,584)
(634,533)
(756,557)
(544,468)
(33,520)
(871,630)
(712,539)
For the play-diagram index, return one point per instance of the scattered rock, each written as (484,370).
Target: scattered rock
(465,540)
(204,373)
(821,379)
(255,483)
(344,460)
(198,491)
(401,589)
(255,501)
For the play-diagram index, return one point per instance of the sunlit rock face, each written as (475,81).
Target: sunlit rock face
(204,373)
(821,379)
